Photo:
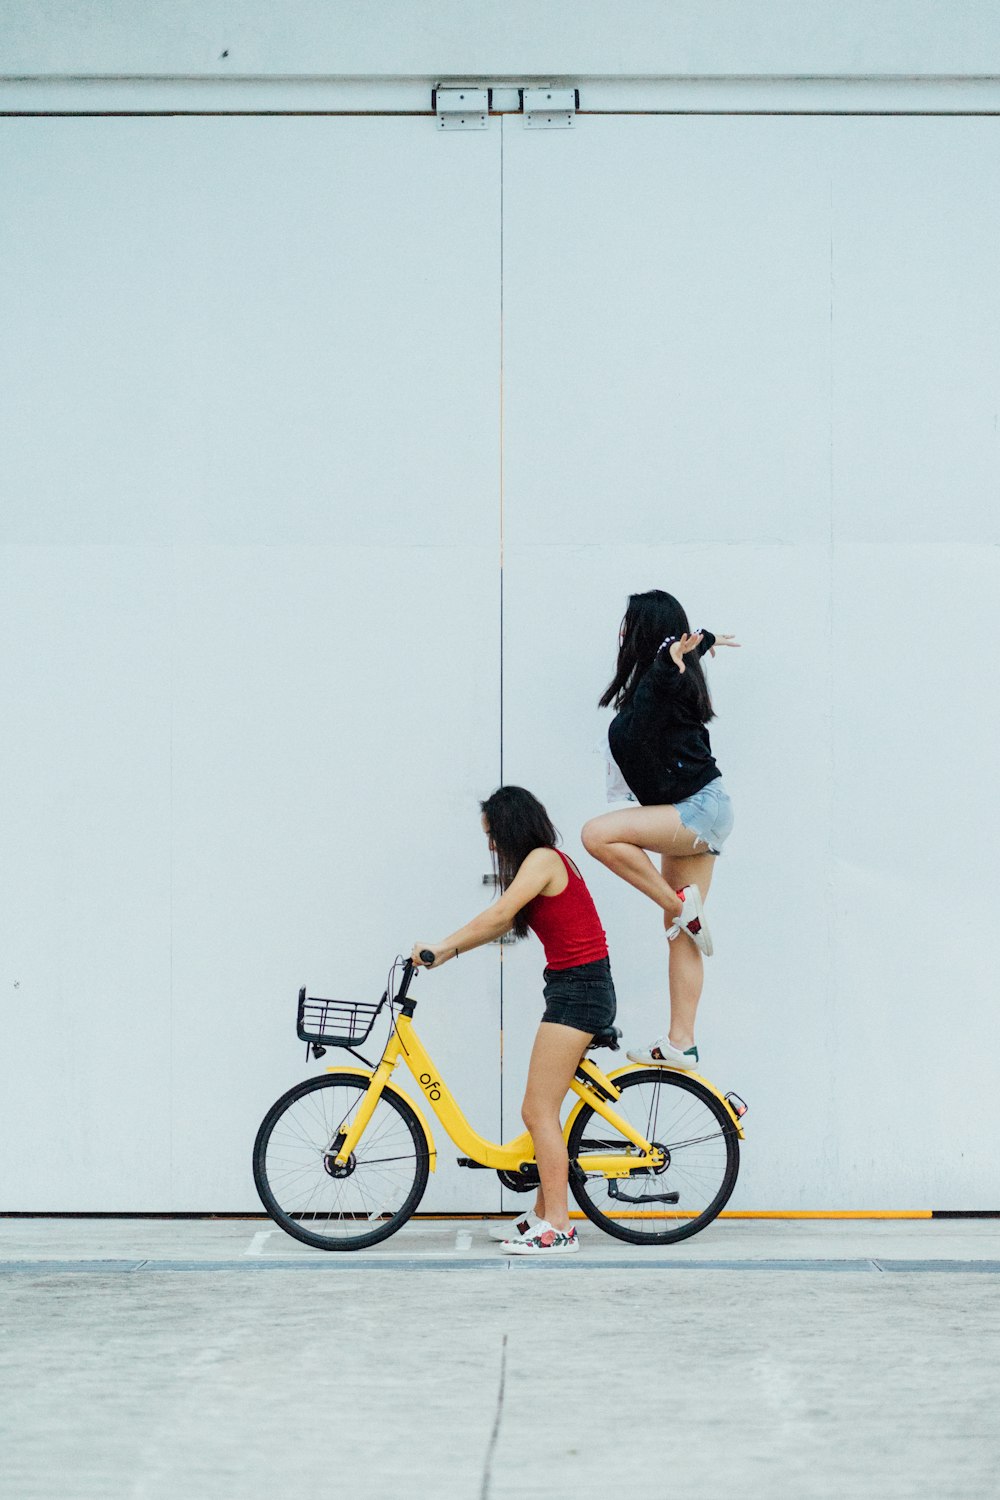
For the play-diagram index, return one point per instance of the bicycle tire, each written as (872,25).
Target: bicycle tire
(612,1223)
(310,1164)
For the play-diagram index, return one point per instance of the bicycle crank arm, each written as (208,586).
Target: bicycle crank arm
(614,1191)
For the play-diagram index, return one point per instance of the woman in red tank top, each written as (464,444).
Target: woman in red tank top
(543,890)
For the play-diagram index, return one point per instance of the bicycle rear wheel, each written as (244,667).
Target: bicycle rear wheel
(330,1207)
(701,1145)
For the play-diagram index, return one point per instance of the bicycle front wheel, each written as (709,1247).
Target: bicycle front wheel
(702,1158)
(331,1207)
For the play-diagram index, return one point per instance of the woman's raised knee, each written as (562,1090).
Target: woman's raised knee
(593,839)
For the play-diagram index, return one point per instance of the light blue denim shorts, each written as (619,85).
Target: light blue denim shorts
(709,815)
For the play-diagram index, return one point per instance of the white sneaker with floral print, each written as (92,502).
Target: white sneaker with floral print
(543,1240)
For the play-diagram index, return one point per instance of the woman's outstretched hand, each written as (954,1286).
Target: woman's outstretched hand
(680,649)
(723,640)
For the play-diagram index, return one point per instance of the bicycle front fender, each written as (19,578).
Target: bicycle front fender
(390,1088)
(638,1068)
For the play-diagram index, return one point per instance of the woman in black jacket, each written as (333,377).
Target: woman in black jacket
(661,769)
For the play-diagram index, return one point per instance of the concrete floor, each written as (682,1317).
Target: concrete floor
(146,1360)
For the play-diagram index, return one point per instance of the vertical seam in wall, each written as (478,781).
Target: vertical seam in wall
(172,646)
(501,499)
(501,455)
(831,884)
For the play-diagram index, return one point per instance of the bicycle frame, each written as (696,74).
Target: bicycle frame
(706,1084)
(593,1088)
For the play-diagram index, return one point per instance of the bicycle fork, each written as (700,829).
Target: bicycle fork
(345,1142)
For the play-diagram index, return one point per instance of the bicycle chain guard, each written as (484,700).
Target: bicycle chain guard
(526,1181)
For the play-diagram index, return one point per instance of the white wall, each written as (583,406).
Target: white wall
(502,38)
(252,485)
(755,362)
(249,536)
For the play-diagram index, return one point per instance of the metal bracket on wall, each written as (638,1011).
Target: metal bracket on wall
(550,109)
(508,937)
(462,109)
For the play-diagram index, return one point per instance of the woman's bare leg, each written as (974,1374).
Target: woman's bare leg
(620,840)
(687,967)
(554,1059)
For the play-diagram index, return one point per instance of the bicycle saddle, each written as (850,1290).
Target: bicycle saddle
(606,1039)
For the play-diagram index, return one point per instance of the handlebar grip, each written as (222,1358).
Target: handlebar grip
(426,956)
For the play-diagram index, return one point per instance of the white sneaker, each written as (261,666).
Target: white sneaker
(692,920)
(544,1240)
(516,1229)
(663,1054)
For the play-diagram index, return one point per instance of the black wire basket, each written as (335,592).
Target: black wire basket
(335,1023)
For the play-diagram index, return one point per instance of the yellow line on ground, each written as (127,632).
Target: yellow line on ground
(727,1213)
(828,1213)
(777,1213)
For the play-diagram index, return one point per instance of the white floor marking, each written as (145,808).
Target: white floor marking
(256,1246)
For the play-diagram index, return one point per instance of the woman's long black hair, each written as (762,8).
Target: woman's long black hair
(649,619)
(516,823)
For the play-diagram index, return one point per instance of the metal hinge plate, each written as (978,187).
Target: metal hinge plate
(550,109)
(462,109)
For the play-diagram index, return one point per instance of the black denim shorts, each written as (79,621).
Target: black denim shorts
(582,997)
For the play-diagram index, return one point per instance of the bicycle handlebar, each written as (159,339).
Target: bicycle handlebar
(409,969)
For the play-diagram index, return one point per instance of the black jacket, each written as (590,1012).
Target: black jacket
(658,741)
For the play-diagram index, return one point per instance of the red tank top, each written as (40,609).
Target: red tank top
(568,925)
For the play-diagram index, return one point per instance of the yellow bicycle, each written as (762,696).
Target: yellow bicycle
(341,1160)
